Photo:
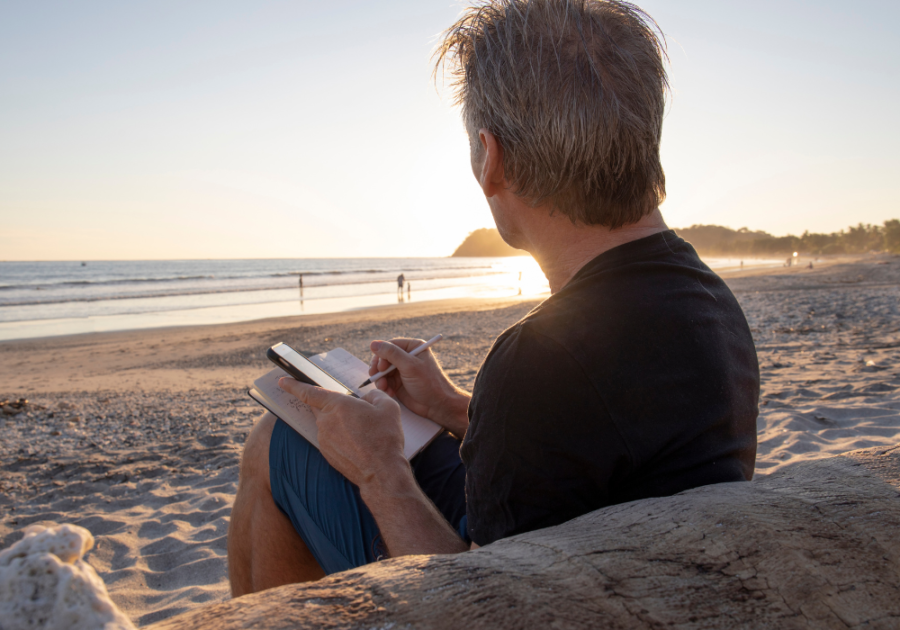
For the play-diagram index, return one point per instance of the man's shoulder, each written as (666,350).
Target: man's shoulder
(521,353)
(643,294)
(631,285)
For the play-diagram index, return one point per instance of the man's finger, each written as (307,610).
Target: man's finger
(310,394)
(379,399)
(407,344)
(374,396)
(392,354)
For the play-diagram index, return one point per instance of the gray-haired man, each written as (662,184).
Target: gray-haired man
(636,378)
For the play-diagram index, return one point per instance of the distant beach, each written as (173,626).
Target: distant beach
(42,299)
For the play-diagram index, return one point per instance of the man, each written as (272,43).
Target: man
(636,378)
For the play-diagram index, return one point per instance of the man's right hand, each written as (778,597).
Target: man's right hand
(420,384)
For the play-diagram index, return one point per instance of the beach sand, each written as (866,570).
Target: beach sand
(137,435)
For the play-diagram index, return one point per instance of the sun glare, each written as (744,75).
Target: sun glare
(522,272)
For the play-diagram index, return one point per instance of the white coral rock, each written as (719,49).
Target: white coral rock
(45,584)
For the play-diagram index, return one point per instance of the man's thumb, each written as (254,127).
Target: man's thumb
(312,396)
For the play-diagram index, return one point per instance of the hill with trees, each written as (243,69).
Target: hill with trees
(486,242)
(716,240)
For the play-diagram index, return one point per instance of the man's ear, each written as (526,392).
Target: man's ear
(490,175)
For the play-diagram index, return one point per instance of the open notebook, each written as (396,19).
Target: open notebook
(417,431)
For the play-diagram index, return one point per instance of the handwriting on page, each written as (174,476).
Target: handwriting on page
(296,405)
(297,414)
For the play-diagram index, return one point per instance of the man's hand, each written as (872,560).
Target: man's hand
(361,438)
(420,384)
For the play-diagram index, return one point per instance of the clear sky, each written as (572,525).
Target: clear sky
(220,129)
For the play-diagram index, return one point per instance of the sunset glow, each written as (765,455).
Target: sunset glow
(158,131)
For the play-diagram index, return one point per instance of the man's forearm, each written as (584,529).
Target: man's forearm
(453,414)
(409,522)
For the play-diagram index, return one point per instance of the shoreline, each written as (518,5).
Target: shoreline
(106,368)
(412,310)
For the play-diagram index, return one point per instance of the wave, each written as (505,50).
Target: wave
(366,271)
(169,309)
(212,291)
(77,283)
(47,286)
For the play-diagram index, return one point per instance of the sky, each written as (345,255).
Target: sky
(220,129)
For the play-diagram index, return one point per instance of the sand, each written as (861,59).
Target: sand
(136,435)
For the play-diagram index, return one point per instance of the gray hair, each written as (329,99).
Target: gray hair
(574,91)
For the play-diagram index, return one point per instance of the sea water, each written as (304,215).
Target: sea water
(39,299)
(51,298)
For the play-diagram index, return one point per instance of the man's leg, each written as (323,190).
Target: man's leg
(264,549)
(336,529)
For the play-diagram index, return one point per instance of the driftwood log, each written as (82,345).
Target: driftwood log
(817,545)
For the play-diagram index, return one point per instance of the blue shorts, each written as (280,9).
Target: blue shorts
(327,510)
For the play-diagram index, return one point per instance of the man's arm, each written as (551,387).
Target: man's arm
(409,522)
(420,384)
(363,440)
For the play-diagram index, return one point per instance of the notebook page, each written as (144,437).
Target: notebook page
(297,414)
(344,367)
(349,370)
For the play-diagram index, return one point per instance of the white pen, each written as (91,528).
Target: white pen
(374,378)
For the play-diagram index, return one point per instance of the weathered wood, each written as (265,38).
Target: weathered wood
(815,545)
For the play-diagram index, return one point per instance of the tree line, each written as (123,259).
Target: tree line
(723,241)
(719,240)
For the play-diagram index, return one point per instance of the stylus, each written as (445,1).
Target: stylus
(374,378)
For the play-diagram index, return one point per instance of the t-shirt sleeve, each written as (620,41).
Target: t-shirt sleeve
(541,447)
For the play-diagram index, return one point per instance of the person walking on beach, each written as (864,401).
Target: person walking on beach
(636,378)
(400,280)
(301,284)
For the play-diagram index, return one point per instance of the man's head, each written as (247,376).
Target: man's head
(574,93)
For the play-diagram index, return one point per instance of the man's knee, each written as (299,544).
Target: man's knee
(255,459)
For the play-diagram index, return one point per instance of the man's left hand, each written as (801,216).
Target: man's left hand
(361,438)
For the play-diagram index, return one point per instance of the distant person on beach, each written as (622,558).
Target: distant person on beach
(400,280)
(636,378)
(408,290)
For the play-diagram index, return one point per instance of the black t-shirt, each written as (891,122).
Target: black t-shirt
(638,379)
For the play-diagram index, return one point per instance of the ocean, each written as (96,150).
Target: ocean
(40,299)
